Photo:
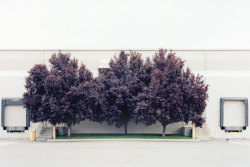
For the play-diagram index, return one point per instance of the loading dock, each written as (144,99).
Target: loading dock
(233,114)
(14,117)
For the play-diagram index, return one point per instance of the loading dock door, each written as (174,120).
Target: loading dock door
(15,116)
(234,113)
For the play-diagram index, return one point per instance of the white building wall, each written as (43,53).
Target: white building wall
(226,71)
(228,74)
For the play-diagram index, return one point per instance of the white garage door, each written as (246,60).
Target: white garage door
(15,116)
(234,113)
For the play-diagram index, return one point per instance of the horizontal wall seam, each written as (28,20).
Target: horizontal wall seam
(101,50)
(209,73)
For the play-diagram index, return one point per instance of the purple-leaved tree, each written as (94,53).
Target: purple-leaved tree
(173,95)
(165,88)
(131,89)
(62,77)
(35,97)
(195,96)
(119,85)
(63,88)
(61,95)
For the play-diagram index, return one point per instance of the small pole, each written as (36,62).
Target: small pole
(33,136)
(54,132)
(193,130)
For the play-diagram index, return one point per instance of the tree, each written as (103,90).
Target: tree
(162,99)
(63,91)
(62,77)
(119,86)
(58,96)
(195,97)
(165,88)
(173,95)
(35,97)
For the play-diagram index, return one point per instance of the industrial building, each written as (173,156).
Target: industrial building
(226,71)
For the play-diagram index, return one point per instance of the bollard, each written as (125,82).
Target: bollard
(193,131)
(33,136)
(54,132)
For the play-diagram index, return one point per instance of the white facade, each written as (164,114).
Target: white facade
(226,71)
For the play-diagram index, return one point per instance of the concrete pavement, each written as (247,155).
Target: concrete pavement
(23,153)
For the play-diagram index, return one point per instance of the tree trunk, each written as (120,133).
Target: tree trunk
(164,130)
(69,130)
(126,128)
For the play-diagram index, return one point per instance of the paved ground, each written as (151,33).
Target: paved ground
(125,154)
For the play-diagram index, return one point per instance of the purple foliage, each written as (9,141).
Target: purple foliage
(131,89)
(35,97)
(61,95)
(119,86)
(195,98)
(173,95)
(62,77)
(165,88)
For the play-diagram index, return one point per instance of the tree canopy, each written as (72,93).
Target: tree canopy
(173,95)
(35,97)
(132,89)
(195,97)
(119,86)
(62,90)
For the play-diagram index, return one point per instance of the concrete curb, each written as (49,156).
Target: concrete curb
(101,140)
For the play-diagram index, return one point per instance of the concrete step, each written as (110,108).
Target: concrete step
(203,133)
(41,139)
(46,130)
(46,133)
(45,137)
